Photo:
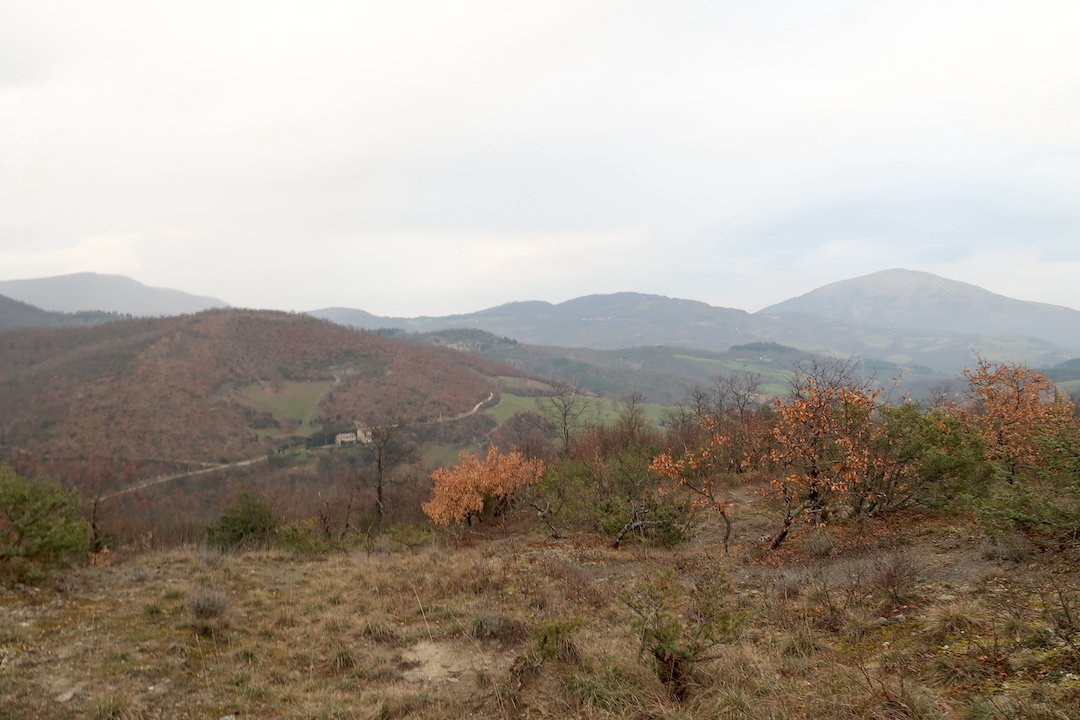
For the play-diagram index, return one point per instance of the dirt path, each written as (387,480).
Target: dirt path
(467,413)
(243,463)
(189,473)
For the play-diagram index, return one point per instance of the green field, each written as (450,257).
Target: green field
(516,383)
(293,404)
(1069,386)
(607,412)
(444,455)
(775,389)
(695,358)
(604,411)
(510,404)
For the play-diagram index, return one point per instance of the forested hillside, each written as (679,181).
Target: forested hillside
(17,314)
(179,389)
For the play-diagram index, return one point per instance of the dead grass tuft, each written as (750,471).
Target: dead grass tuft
(954,619)
(208,604)
(498,626)
(115,706)
(1006,548)
(578,585)
(380,630)
(896,575)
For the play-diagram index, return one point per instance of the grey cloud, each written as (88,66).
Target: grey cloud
(941,227)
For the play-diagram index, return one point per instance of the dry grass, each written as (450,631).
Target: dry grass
(208,604)
(529,627)
(955,619)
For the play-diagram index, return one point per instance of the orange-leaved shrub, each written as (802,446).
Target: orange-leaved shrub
(462,490)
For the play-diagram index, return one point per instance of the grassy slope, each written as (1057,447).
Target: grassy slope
(909,620)
(510,404)
(1069,386)
(293,404)
(604,411)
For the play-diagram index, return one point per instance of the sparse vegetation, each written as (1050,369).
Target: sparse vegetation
(511,624)
(208,604)
(831,554)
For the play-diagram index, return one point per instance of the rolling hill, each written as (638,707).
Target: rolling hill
(618,320)
(662,373)
(218,386)
(907,299)
(89,291)
(626,320)
(16,314)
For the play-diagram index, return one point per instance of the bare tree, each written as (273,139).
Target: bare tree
(827,374)
(526,431)
(390,447)
(566,410)
(633,425)
(738,392)
(940,396)
(731,394)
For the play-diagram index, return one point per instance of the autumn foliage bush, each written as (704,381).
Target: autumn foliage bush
(466,488)
(837,449)
(1013,406)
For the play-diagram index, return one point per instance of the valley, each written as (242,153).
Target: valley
(266,514)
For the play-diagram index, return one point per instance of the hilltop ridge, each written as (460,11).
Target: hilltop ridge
(86,291)
(911,299)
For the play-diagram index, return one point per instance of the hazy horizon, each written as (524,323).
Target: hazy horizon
(426,158)
(464,312)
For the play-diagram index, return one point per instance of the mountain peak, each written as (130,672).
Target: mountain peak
(85,291)
(900,298)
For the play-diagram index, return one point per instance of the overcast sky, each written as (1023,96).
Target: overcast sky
(413,158)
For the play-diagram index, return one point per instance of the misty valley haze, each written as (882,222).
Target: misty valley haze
(903,317)
(509,360)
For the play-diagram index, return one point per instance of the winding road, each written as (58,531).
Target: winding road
(262,458)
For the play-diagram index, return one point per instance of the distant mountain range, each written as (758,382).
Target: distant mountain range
(605,322)
(912,319)
(899,316)
(89,291)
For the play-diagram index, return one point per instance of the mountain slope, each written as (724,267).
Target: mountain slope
(613,321)
(919,300)
(178,389)
(16,314)
(626,320)
(109,293)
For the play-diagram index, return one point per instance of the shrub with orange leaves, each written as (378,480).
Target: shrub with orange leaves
(462,490)
(821,442)
(824,438)
(1032,433)
(1013,404)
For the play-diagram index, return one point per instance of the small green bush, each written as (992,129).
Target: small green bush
(249,521)
(554,639)
(303,537)
(410,536)
(664,522)
(680,626)
(39,525)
